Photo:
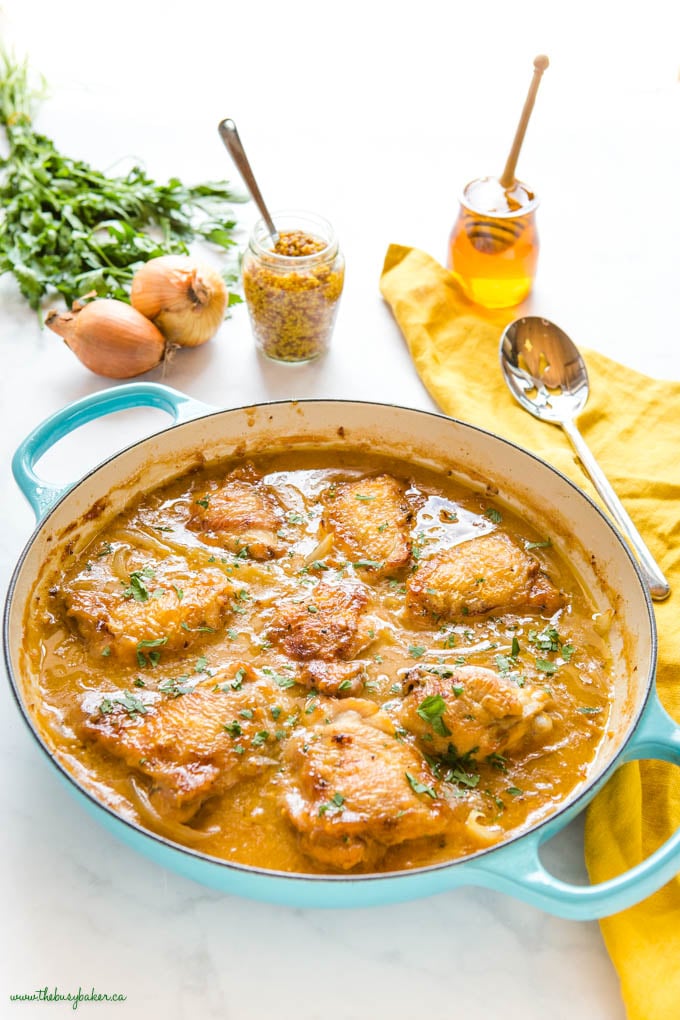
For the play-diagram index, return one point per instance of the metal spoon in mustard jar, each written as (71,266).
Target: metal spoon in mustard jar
(234,146)
(547,376)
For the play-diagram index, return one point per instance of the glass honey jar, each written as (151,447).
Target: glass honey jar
(493,247)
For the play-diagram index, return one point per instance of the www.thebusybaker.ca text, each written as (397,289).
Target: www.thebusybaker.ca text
(54,995)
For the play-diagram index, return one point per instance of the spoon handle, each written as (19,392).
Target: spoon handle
(658,586)
(234,146)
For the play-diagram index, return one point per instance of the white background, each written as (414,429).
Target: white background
(373,115)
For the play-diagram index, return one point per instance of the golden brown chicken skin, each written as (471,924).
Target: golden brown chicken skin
(355,790)
(190,745)
(240,515)
(327,623)
(159,608)
(473,711)
(485,574)
(370,519)
(335,679)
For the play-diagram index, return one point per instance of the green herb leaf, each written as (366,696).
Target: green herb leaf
(538,545)
(431,709)
(419,787)
(234,728)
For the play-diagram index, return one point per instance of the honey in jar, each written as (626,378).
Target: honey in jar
(493,248)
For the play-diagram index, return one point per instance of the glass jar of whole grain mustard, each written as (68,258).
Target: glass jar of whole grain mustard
(292,288)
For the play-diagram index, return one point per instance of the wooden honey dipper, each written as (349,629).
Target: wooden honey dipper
(507,178)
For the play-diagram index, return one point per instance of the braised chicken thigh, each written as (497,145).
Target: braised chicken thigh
(198,742)
(158,607)
(240,514)
(353,787)
(489,573)
(370,519)
(472,712)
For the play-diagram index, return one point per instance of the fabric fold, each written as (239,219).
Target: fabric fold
(632,425)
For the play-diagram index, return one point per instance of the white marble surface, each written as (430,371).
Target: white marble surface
(373,115)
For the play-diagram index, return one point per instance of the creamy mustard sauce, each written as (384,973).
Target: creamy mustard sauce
(247,823)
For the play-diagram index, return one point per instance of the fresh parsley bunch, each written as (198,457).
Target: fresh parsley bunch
(68,228)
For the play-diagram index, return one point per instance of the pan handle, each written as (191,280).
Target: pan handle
(43,495)
(518,870)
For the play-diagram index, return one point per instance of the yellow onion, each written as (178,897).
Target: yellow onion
(109,337)
(186,299)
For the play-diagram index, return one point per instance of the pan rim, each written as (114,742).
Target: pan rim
(570,806)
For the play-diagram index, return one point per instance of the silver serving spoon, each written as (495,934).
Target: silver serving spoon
(547,376)
(230,137)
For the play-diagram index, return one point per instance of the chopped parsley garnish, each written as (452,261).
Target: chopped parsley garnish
(547,640)
(204,502)
(130,702)
(545,666)
(178,592)
(201,665)
(234,728)
(504,663)
(239,677)
(566,652)
(105,550)
(383,526)
(416,651)
(589,710)
(246,713)
(369,564)
(136,588)
(106,651)
(151,658)
(469,779)
(419,787)
(494,515)
(294,518)
(312,609)
(260,738)
(176,686)
(538,545)
(431,709)
(284,682)
(345,685)
(515,648)
(514,791)
(333,806)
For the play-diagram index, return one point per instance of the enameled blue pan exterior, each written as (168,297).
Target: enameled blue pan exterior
(514,867)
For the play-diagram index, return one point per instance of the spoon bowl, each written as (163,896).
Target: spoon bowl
(547,376)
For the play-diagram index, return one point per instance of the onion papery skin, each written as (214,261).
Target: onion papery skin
(110,338)
(187,300)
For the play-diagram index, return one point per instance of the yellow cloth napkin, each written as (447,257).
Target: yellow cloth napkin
(632,425)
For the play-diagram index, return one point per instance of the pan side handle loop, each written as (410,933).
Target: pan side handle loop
(43,495)
(518,870)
